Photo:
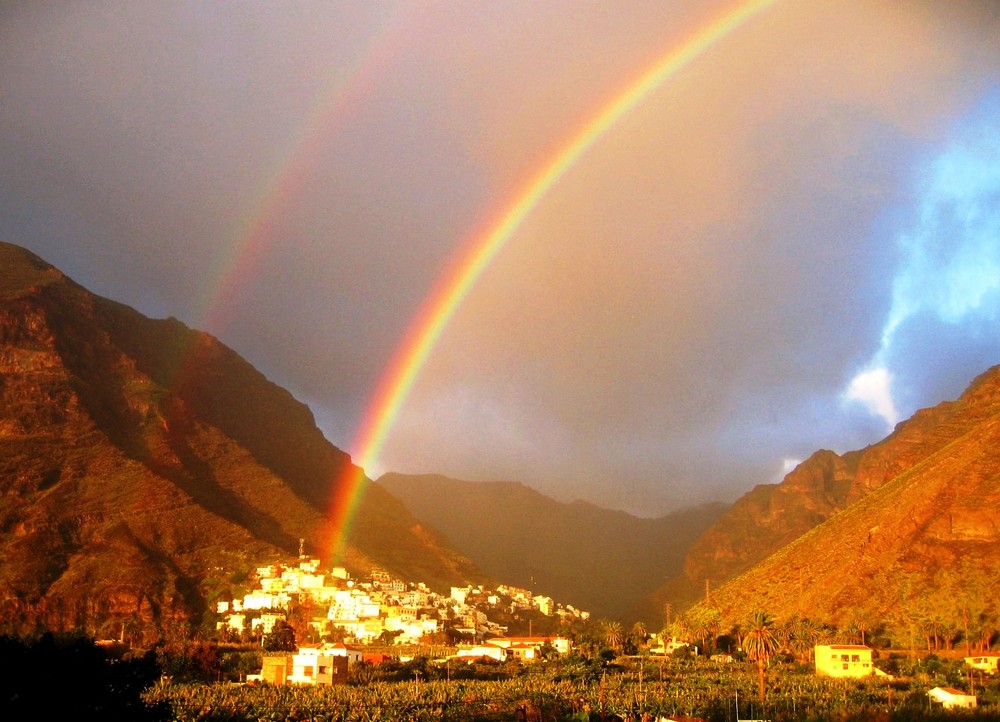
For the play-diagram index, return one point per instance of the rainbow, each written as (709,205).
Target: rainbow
(447,296)
(343,93)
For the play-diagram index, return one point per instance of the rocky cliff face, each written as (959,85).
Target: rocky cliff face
(144,466)
(772,516)
(918,550)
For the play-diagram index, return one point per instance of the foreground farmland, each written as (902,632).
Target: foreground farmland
(570,692)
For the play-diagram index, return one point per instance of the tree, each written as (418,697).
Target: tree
(92,683)
(759,643)
(705,623)
(805,637)
(614,636)
(639,635)
(861,621)
(388,637)
(281,638)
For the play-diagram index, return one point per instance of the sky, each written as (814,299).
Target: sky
(791,243)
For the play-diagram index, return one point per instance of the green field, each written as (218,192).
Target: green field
(576,690)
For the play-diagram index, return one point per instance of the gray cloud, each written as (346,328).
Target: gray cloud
(678,317)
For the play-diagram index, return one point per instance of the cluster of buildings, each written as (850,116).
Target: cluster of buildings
(328,664)
(381,609)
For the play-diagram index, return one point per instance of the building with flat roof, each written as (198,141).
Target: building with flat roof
(843,660)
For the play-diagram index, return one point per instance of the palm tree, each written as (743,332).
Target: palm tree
(804,638)
(639,635)
(861,621)
(846,633)
(709,624)
(759,643)
(613,635)
(934,626)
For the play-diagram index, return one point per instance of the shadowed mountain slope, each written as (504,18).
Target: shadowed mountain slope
(599,560)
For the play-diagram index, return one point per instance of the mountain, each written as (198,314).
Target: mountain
(827,485)
(923,546)
(145,467)
(601,561)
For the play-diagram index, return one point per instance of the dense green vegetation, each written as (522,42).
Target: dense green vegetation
(196,681)
(581,689)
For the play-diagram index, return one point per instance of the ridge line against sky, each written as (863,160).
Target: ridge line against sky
(790,246)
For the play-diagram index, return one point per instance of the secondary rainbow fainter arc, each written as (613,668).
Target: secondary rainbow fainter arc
(343,94)
(448,294)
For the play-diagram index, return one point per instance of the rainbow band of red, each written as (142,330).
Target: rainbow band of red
(448,295)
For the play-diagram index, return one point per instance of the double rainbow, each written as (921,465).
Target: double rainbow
(449,293)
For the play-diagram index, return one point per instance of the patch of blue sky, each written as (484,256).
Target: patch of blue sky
(948,252)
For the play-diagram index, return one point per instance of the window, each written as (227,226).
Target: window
(855,657)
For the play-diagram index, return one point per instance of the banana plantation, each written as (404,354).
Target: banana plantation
(633,688)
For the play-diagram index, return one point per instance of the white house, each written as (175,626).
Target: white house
(312,665)
(660,645)
(352,655)
(951,698)
(483,650)
(527,648)
(266,622)
(545,605)
(843,660)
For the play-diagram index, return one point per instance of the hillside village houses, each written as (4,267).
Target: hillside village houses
(382,609)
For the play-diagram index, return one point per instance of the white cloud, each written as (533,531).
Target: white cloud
(873,389)
(788,465)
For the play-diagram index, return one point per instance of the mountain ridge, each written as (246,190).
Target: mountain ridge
(604,561)
(826,485)
(145,466)
(922,546)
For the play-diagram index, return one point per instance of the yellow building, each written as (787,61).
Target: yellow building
(985,663)
(843,660)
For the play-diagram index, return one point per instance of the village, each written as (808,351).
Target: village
(350,619)
(382,618)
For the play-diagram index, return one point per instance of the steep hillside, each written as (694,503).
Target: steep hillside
(144,466)
(602,561)
(771,516)
(923,546)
